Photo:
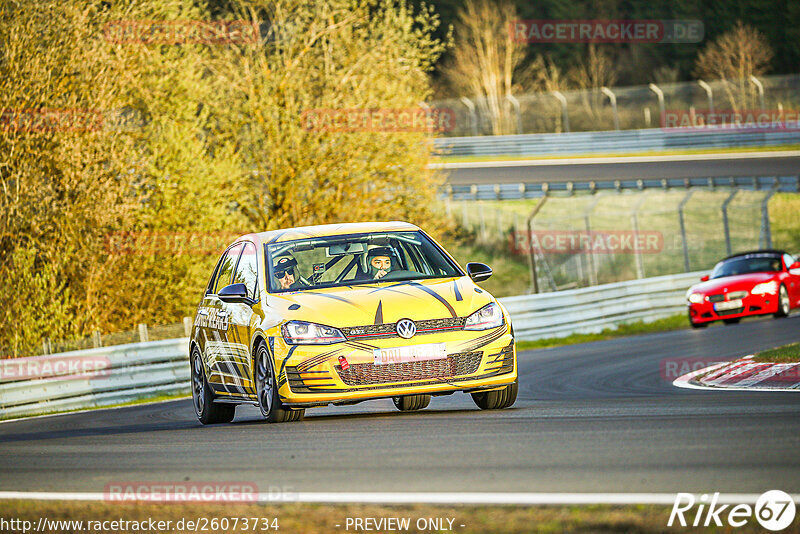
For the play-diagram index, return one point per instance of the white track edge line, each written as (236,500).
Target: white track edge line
(414,498)
(96,409)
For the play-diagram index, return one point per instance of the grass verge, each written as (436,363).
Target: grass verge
(785,354)
(325,518)
(674,322)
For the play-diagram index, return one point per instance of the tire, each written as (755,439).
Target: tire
(410,403)
(269,402)
(206,410)
(784,305)
(732,321)
(497,399)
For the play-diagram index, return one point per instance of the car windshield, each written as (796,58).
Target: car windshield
(747,264)
(356,259)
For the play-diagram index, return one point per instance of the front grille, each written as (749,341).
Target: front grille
(458,364)
(428,326)
(716,298)
(734,311)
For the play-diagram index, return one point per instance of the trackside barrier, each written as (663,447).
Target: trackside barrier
(593,309)
(94,377)
(125,373)
(611,142)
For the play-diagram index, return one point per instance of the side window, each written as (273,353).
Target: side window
(247,270)
(225,269)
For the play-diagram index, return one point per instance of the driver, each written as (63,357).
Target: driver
(379,262)
(285,272)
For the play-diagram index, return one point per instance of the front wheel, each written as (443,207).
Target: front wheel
(206,410)
(410,403)
(272,409)
(784,306)
(497,399)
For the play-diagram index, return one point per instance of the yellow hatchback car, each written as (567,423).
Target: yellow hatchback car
(339,314)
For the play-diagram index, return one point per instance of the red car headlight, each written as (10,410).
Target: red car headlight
(695,298)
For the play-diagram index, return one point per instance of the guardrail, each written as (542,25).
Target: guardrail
(123,373)
(592,309)
(94,377)
(515,191)
(611,142)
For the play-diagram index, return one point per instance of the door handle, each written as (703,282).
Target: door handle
(224,313)
(202,312)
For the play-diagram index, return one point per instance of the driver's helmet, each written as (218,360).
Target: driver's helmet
(377,252)
(284,264)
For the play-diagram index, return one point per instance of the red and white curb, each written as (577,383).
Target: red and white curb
(744,375)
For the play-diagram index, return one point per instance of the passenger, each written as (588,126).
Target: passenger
(379,264)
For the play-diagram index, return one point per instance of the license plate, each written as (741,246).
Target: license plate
(410,353)
(729,305)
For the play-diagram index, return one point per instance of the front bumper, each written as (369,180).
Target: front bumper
(314,376)
(705,312)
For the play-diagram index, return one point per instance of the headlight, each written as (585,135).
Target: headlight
(303,333)
(489,316)
(765,288)
(696,298)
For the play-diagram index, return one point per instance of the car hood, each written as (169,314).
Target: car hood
(386,302)
(732,283)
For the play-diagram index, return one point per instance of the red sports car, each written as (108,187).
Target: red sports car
(750,283)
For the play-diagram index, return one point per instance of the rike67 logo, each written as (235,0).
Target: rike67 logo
(774,510)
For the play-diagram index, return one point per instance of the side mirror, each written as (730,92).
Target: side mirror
(478,271)
(795,265)
(705,278)
(234,293)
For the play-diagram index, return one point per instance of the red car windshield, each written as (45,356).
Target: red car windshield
(747,265)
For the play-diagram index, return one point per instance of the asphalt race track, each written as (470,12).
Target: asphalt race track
(589,418)
(576,170)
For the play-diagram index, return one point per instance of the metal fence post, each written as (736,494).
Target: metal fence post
(143,337)
(564,115)
(681,207)
(589,254)
(96,339)
(473,117)
(637,252)
(660,94)
(760,88)
(765,230)
(725,224)
(531,251)
(515,103)
(613,99)
(709,94)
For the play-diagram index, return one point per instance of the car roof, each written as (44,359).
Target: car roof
(761,251)
(326,230)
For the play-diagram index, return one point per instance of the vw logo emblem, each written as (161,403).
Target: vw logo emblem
(406,328)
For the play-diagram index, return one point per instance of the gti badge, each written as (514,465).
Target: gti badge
(406,328)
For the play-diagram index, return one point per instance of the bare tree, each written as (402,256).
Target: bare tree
(486,59)
(734,57)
